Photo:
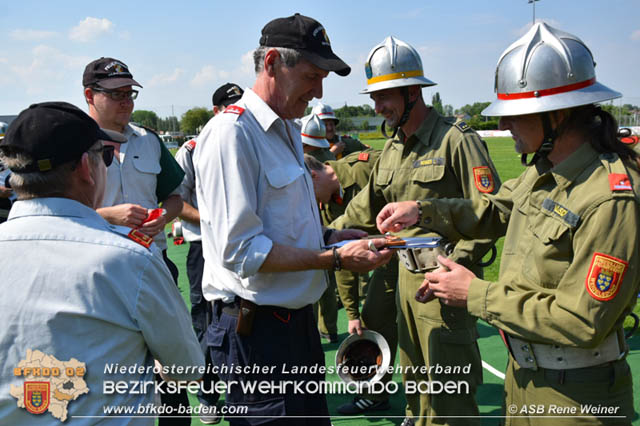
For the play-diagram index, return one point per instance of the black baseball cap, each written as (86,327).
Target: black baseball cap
(54,133)
(226,94)
(108,73)
(307,36)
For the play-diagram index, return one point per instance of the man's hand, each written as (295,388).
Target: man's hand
(452,285)
(130,215)
(155,226)
(395,217)
(355,327)
(346,234)
(337,148)
(358,257)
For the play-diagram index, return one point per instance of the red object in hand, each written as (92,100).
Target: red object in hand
(154,214)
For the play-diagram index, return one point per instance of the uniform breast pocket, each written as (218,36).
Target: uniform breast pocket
(426,174)
(551,250)
(283,201)
(384,177)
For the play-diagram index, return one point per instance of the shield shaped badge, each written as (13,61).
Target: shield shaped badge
(36,396)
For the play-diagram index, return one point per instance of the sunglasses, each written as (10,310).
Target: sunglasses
(107,154)
(118,95)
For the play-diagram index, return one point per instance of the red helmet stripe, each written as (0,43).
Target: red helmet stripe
(311,136)
(546,92)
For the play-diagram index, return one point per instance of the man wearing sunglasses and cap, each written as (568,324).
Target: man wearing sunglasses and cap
(68,287)
(261,233)
(143,173)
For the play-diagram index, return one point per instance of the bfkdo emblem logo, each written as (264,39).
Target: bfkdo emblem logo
(483,179)
(36,396)
(605,276)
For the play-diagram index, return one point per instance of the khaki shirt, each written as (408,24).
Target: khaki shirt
(441,159)
(351,145)
(353,173)
(570,268)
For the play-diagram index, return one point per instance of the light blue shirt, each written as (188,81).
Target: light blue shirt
(74,286)
(253,190)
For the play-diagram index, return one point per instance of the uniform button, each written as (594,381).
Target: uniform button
(560,359)
(525,348)
(427,220)
(529,360)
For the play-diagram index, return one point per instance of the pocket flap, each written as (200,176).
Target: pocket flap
(280,177)
(146,165)
(215,336)
(428,173)
(384,176)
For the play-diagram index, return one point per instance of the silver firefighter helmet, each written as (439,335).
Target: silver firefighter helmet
(325,112)
(393,63)
(313,131)
(364,359)
(546,70)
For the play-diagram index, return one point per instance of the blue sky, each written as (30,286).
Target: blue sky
(182,51)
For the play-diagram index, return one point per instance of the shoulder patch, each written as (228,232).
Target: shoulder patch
(234,109)
(437,161)
(619,182)
(191,145)
(605,276)
(363,156)
(483,179)
(462,126)
(140,238)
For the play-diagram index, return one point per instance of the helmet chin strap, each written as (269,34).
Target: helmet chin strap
(408,106)
(548,140)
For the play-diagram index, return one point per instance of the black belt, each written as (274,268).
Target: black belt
(233,309)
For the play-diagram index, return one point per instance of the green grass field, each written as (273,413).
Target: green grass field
(491,347)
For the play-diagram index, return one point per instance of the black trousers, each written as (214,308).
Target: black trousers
(281,339)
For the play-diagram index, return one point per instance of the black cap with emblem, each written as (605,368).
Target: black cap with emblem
(53,133)
(308,37)
(226,95)
(108,73)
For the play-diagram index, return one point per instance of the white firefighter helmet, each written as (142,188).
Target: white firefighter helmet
(314,132)
(546,70)
(3,129)
(393,63)
(363,359)
(325,112)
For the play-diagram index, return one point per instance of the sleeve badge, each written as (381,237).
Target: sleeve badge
(483,179)
(605,276)
(140,238)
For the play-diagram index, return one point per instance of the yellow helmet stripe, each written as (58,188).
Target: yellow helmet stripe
(395,76)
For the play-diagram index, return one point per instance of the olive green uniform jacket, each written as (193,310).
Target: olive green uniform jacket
(570,268)
(441,159)
(351,145)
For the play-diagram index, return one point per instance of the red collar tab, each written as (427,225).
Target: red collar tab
(619,182)
(140,238)
(363,156)
(191,145)
(234,109)
(546,92)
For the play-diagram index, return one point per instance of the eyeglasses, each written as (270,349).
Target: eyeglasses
(118,95)
(107,154)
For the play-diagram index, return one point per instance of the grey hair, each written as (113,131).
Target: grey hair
(290,57)
(52,183)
